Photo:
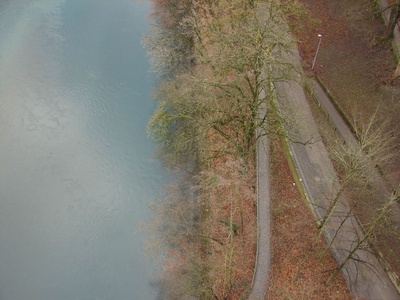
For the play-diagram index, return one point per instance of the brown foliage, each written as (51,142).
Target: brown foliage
(228,190)
(293,234)
(211,236)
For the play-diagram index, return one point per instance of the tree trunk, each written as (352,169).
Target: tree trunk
(394,13)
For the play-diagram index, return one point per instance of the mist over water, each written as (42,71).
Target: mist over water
(76,167)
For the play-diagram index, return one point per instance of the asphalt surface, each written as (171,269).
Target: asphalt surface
(263,260)
(365,275)
(379,184)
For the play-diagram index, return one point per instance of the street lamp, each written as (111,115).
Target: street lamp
(316,53)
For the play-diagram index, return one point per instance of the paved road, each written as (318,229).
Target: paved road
(322,186)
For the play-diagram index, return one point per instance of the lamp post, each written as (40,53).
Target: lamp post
(316,53)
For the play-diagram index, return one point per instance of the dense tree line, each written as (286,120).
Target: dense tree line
(217,94)
(215,60)
(218,61)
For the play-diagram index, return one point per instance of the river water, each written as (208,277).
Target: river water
(76,167)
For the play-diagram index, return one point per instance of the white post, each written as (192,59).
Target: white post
(316,53)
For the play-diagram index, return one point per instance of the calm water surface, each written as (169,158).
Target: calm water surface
(76,167)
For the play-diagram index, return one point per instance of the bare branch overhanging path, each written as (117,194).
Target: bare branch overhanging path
(263,259)
(320,181)
(344,131)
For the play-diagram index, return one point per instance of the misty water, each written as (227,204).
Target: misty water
(76,167)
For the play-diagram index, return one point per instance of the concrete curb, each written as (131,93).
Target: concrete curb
(335,103)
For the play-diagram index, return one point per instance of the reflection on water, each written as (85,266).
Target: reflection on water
(76,167)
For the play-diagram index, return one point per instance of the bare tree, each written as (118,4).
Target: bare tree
(214,82)
(222,94)
(358,182)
